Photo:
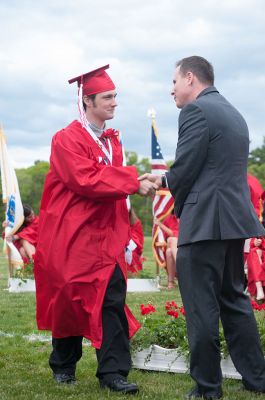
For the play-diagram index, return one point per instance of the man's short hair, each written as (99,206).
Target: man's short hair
(199,66)
(92,98)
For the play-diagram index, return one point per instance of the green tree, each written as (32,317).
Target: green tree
(30,181)
(257,156)
(141,205)
(259,172)
(256,163)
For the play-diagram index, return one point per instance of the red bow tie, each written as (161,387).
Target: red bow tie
(109,133)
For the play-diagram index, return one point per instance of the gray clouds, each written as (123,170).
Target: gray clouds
(42,45)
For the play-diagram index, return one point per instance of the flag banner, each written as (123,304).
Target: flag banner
(163,202)
(14,216)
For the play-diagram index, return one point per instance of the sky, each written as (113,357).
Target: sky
(43,44)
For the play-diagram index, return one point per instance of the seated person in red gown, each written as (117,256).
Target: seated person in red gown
(170,228)
(254,255)
(25,239)
(136,246)
(256,268)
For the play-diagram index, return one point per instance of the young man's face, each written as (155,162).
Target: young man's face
(103,106)
(181,90)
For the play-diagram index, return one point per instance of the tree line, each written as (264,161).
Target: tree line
(31,182)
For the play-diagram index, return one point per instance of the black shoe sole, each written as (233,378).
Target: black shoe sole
(132,391)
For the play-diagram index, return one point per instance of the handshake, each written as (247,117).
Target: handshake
(149,183)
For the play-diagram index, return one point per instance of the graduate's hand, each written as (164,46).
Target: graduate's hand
(147,188)
(9,238)
(152,178)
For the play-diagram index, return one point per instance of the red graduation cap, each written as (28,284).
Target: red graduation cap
(96,81)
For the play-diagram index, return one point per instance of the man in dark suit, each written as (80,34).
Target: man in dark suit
(208,181)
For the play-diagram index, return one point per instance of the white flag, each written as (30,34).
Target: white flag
(11,197)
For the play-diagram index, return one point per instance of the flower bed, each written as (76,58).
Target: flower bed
(156,358)
(167,329)
(22,279)
(161,344)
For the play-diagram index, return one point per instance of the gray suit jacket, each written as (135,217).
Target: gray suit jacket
(208,179)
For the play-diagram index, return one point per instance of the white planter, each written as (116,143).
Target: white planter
(160,360)
(228,369)
(142,285)
(16,285)
(156,358)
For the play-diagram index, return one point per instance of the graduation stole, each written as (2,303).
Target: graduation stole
(101,145)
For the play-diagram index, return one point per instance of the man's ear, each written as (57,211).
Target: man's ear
(189,77)
(87,101)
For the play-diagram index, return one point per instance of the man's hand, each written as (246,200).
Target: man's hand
(156,179)
(146,187)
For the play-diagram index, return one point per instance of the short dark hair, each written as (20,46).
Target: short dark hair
(92,98)
(199,66)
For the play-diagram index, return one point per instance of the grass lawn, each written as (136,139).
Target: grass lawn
(24,371)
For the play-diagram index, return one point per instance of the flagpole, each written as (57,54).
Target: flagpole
(151,113)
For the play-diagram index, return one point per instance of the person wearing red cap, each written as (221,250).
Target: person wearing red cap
(80,266)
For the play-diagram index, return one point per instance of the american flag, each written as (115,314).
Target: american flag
(163,202)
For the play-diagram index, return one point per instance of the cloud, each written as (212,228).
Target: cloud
(45,43)
(20,155)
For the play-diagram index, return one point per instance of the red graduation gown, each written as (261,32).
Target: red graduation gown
(172,223)
(256,270)
(256,191)
(30,232)
(84,228)
(137,235)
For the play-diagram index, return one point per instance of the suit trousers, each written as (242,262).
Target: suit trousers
(113,357)
(211,281)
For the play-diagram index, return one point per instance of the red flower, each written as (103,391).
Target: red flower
(172,313)
(171,305)
(182,310)
(147,309)
(256,306)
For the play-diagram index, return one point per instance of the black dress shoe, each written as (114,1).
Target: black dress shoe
(120,385)
(195,393)
(244,386)
(64,378)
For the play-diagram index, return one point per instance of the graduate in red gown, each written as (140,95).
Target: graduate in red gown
(80,266)
(25,239)
(256,268)
(27,235)
(256,256)
(137,237)
(256,191)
